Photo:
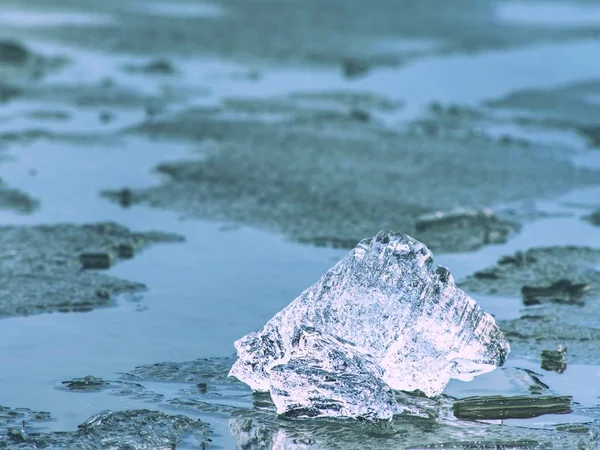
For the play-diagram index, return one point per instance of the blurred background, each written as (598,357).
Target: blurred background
(172,173)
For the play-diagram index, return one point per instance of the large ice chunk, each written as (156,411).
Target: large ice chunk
(327,376)
(387,300)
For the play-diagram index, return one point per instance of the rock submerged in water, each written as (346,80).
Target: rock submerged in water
(382,319)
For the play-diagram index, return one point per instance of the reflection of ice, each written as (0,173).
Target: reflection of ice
(386,299)
(255,430)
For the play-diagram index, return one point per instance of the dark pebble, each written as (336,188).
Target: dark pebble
(96,260)
(352,67)
(486,275)
(517,407)
(594,218)
(106,117)
(13,53)
(360,115)
(159,66)
(125,197)
(126,251)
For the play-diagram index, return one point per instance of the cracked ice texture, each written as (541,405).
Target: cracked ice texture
(386,298)
(327,376)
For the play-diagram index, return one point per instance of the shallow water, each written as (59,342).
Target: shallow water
(554,13)
(228,279)
(51,18)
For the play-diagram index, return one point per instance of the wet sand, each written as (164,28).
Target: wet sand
(251,144)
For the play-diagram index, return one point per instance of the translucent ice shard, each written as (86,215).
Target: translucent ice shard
(404,317)
(327,376)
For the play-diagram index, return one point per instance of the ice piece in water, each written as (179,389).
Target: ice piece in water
(388,300)
(329,377)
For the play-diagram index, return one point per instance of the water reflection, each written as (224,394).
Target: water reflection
(262,430)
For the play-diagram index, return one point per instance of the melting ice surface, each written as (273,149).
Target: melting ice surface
(382,319)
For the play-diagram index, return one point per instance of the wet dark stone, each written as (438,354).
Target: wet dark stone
(592,133)
(561,291)
(106,117)
(516,407)
(88,383)
(354,68)
(40,266)
(96,260)
(488,274)
(125,196)
(519,259)
(594,218)
(574,428)
(436,107)
(505,139)
(555,360)
(16,200)
(8,92)
(13,53)
(103,293)
(360,115)
(126,251)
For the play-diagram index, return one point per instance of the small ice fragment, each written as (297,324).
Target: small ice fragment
(387,313)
